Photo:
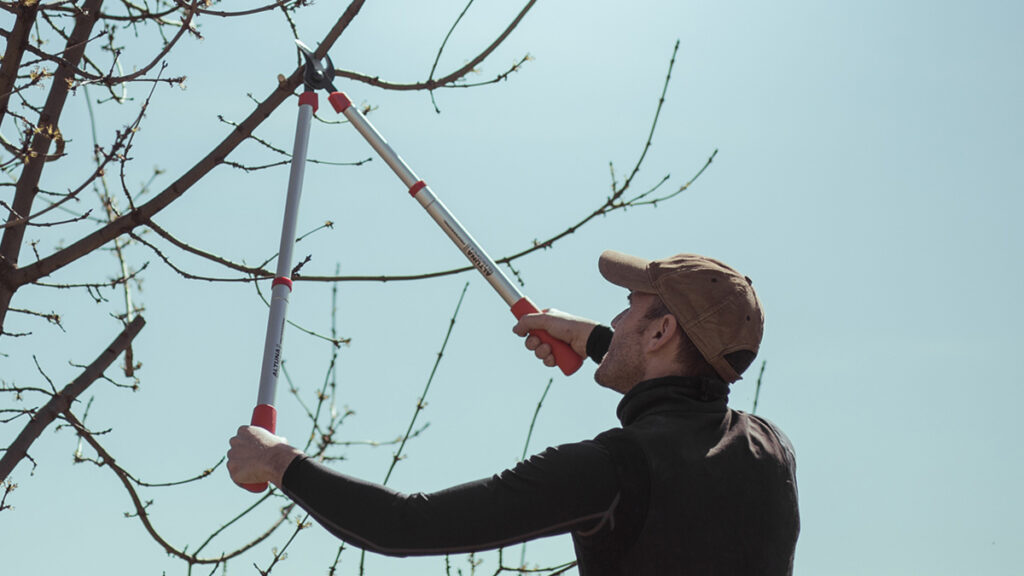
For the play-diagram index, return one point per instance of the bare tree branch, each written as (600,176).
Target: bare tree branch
(105,459)
(440,50)
(222,14)
(17,42)
(448,78)
(46,132)
(613,203)
(62,401)
(143,213)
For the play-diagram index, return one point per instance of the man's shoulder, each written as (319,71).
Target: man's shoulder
(765,428)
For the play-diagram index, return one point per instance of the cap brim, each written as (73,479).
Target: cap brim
(627,271)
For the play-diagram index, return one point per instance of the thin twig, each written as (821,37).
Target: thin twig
(105,459)
(529,434)
(440,50)
(757,389)
(421,403)
(446,80)
(526,446)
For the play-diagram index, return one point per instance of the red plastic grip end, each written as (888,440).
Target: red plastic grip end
(282,280)
(339,101)
(566,358)
(310,99)
(415,188)
(264,416)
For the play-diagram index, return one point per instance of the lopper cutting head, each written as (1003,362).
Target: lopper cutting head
(317,76)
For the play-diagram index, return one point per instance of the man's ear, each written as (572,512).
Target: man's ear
(660,332)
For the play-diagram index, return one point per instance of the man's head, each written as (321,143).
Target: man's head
(709,311)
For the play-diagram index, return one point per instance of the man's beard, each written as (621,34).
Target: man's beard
(623,365)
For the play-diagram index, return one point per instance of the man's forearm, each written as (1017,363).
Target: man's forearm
(564,489)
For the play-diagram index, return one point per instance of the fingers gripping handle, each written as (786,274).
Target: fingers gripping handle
(263,416)
(565,357)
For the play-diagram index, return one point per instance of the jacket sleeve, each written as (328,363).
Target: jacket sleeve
(568,488)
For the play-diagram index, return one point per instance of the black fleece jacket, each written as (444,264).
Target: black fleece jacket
(686,486)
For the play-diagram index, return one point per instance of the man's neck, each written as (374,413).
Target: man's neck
(659,368)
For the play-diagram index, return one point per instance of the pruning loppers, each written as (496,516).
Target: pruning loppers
(319,76)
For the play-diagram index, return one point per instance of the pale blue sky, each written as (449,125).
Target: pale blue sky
(867,180)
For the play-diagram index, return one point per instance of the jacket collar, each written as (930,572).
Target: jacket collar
(673,393)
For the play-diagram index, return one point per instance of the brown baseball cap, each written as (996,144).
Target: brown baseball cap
(714,304)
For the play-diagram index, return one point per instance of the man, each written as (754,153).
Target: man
(685,486)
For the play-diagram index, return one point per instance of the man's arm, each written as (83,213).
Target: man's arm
(563,489)
(568,488)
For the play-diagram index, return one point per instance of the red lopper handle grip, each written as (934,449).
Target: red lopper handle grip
(565,357)
(264,416)
(339,101)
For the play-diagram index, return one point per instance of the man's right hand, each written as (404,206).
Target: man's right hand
(257,456)
(573,330)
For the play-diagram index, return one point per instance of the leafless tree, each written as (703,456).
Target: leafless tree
(62,49)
